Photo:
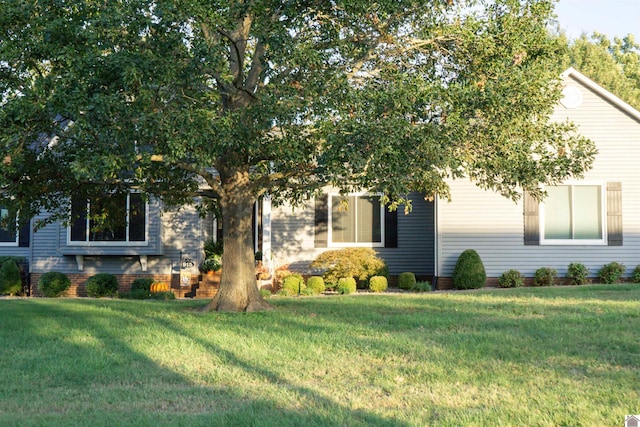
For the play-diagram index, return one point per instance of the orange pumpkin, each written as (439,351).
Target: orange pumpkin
(159,287)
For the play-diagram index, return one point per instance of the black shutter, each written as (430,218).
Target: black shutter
(321,221)
(614,213)
(531,220)
(24,235)
(390,228)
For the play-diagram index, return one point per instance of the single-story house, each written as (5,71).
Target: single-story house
(592,221)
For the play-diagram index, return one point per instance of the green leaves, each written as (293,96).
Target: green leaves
(391,96)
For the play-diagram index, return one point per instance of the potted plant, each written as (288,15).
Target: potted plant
(209,266)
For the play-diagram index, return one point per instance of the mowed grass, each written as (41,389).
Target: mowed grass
(529,356)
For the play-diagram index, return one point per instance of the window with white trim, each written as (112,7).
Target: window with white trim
(93,223)
(574,214)
(356,220)
(8,230)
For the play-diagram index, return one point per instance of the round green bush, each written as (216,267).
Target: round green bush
(53,284)
(10,281)
(577,274)
(511,279)
(635,276)
(611,273)
(406,280)
(378,284)
(469,272)
(316,284)
(346,285)
(142,284)
(422,287)
(102,285)
(545,276)
(294,283)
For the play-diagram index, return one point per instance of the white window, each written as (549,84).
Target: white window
(8,229)
(122,220)
(356,220)
(574,214)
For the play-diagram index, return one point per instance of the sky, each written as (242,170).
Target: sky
(611,17)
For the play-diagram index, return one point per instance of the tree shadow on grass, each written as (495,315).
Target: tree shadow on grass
(77,365)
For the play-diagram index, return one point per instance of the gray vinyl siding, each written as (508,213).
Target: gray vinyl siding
(172,235)
(292,233)
(493,225)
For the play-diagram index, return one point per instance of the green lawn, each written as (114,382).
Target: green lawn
(529,356)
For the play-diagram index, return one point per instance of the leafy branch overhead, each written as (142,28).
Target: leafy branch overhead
(391,95)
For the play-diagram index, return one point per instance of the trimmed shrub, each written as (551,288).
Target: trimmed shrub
(102,285)
(294,282)
(346,285)
(10,281)
(511,279)
(378,284)
(162,295)
(283,292)
(406,280)
(577,274)
(265,293)
(316,284)
(469,272)
(142,284)
(421,287)
(545,276)
(611,273)
(359,263)
(53,284)
(635,276)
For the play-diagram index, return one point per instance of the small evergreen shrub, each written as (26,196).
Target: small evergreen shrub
(359,263)
(346,285)
(316,284)
(102,285)
(611,273)
(545,276)
(10,280)
(469,272)
(307,291)
(142,284)
(511,279)
(406,280)
(163,296)
(265,293)
(577,274)
(283,292)
(53,284)
(293,282)
(635,276)
(421,287)
(140,289)
(378,284)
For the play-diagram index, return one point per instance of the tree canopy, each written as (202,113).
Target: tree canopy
(280,97)
(614,64)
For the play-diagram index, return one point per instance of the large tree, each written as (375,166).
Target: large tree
(614,64)
(224,101)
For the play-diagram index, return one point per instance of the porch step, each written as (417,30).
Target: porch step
(204,289)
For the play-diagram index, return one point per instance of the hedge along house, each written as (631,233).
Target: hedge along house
(593,221)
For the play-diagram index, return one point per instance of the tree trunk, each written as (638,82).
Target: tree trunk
(238,288)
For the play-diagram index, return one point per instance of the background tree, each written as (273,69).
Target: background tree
(614,64)
(276,96)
